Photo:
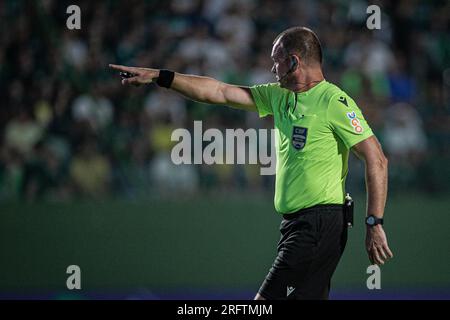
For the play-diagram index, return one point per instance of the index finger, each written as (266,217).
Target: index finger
(123,68)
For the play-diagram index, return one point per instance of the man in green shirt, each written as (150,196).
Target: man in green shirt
(315,132)
(317,125)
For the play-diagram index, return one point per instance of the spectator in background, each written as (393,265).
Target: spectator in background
(236,29)
(94,109)
(90,171)
(404,137)
(162,104)
(22,133)
(43,175)
(11,173)
(166,176)
(405,142)
(74,50)
(401,84)
(201,47)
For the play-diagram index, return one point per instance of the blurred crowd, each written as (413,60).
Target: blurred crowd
(70,130)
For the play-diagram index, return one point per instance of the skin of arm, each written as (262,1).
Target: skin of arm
(376,163)
(212,91)
(197,88)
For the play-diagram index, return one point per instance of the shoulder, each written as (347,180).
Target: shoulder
(336,97)
(332,92)
(268,97)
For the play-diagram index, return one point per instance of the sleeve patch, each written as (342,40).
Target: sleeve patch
(355,123)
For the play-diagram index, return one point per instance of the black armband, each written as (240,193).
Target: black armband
(165,78)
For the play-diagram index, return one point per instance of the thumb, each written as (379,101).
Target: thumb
(132,81)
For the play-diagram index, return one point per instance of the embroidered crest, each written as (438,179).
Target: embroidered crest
(299,135)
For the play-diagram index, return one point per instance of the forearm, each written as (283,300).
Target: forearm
(376,186)
(376,182)
(202,89)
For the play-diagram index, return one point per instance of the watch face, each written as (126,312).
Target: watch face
(370,220)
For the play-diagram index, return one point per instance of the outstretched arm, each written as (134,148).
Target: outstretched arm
(202,89)
(376,163)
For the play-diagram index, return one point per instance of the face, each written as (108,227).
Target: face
(281,63)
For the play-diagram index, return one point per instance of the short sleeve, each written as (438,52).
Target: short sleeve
(263,97)
(347,120)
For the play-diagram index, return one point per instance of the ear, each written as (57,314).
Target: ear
(294,62)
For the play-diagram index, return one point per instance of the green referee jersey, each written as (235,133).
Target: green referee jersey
(315,130)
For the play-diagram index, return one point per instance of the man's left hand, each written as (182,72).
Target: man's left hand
(376,245)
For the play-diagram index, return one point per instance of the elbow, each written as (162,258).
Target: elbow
(385,161)
(382,162)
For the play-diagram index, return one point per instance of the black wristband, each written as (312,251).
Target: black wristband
(165,78)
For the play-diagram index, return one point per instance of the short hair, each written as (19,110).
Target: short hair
(302,41)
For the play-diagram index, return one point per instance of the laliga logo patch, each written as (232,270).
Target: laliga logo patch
(354,122)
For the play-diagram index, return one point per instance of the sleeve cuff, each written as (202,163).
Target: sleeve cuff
(258,102)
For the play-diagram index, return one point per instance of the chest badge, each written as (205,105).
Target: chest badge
(299,135)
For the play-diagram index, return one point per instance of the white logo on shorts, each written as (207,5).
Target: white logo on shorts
(290,290)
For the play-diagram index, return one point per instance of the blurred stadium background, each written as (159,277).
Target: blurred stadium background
(85,170)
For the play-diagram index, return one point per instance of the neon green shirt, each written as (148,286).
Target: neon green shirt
(312,142)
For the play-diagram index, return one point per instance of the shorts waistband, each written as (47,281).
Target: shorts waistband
(315,209)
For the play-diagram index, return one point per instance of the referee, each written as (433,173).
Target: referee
(317,124)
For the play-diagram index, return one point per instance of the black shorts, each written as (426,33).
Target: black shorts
(311,245)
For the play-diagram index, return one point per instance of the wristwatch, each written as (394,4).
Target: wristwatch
(373,221)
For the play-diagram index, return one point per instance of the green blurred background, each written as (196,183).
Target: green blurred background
(200,248)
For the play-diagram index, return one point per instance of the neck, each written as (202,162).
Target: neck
(307,79)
